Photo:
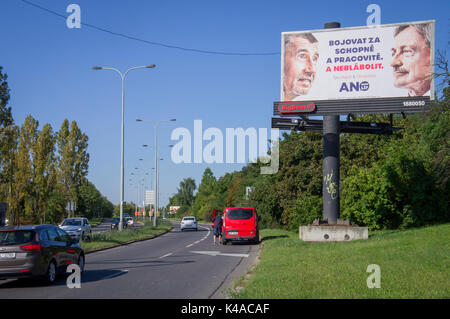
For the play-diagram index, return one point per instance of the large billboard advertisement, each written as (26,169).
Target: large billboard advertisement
(370,62)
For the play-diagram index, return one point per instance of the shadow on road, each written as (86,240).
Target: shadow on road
(91,275)
(61,280)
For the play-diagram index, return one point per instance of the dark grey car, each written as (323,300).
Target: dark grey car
(37,251)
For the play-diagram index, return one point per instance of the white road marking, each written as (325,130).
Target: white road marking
(166,255)
(218,253)
(198,241)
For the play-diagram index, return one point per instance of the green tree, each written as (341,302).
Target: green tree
(203,197)
(92,203)
(185,194)
(44,170)
(8,147)
(6,118)
(24,179)
(72,160)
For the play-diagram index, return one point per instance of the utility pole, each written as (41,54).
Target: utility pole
(331,173)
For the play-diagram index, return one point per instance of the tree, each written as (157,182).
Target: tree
(203,197)
(92,203)
(8,145)
(6,118)
(73,159)
(24,179)
(185,194)
(44,169)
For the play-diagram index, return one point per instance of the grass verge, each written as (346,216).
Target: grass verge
(414,264)
(116,238)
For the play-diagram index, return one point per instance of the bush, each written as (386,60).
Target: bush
(304,211)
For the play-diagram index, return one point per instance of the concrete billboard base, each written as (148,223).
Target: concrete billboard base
(324,233)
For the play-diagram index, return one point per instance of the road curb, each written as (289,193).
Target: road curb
(128,242)
(245,266)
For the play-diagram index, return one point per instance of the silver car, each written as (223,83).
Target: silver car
(77,228)
(188,222)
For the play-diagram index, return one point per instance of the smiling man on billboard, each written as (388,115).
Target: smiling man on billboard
(300,62)
(411,58)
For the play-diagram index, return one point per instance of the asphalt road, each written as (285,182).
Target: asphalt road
(175,265)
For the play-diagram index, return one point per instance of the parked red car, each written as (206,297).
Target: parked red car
(240,223)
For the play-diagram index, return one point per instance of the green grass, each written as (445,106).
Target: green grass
(414,264)
(116,238)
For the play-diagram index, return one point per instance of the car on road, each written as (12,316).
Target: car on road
(188,222)
(37,251)
(240,224)
(129,220)
(77,228)
(115,223)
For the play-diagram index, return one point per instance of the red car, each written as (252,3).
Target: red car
(240,223)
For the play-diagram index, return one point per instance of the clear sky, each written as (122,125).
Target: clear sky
(50,76)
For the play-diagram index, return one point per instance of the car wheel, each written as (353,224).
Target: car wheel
(50,276)
(196,229)
(81,263)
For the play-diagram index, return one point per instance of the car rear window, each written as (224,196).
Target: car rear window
(239,214)
(16,237)
(189,218)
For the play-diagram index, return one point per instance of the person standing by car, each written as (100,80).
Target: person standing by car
(218,223)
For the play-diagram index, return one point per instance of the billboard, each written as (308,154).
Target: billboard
(149,197)
(390,64)
(173,209)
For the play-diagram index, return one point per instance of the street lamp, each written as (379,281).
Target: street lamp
(155,126)
(150,66)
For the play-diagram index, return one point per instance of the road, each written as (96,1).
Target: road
(177,265)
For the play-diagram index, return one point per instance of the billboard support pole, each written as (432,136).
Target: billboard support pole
(331,150)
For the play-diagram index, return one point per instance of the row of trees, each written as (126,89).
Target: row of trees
(42,170)
(387,181)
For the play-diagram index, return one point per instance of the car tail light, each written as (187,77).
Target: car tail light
(33,248)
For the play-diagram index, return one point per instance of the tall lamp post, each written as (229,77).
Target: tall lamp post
(155,126)
(150,66)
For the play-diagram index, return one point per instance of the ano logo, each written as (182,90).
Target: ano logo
(354,86)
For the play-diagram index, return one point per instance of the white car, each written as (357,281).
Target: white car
(77,228)
(188,222)
(129,220)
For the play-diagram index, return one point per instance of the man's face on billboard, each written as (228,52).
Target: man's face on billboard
(300,61)
(411,61)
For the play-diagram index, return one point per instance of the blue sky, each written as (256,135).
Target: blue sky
(50,76)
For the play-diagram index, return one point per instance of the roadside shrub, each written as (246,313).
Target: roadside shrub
(303,212)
